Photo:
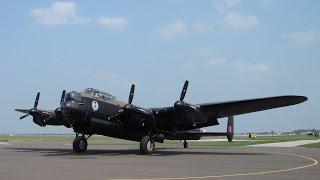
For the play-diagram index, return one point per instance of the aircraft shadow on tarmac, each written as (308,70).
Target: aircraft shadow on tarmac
(123,152)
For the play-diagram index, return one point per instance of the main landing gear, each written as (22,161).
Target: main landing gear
(147,145)
(185,144)
(80,143)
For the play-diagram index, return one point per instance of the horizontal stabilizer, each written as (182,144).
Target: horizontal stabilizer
(205,133)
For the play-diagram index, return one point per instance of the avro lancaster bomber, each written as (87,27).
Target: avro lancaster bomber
(96,112)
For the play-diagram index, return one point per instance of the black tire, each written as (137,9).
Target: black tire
(185,144)
(80,144)
(146,145)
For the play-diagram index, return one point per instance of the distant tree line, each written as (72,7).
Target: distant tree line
(304,131)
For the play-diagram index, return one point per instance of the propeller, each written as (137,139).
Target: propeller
(58,113)
(63,96)
(37,100)
(191,110)
(184,90)
(32,110)
(24,116)
(131,94)
(127,107)
(178,104)
(58,110)
(57,117)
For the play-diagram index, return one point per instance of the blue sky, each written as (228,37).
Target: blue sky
(227,49)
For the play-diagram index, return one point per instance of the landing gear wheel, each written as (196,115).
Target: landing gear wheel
(185,144)
(146,145)
(80,144)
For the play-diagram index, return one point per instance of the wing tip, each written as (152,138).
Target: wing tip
(298,99)
(304,98)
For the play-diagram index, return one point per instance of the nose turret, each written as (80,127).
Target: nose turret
(69,108)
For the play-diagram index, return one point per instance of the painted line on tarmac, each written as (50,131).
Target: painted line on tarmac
(314,162)
(5,143)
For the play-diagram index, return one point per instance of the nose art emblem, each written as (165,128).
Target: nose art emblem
(95,105)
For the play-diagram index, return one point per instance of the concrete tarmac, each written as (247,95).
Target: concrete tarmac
(55,160)
(287,144)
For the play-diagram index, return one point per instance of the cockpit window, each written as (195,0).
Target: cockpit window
(73,95)
(98,94)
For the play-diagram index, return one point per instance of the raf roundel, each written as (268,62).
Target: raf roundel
(95,105)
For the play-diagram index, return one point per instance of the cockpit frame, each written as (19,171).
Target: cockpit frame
(98,94)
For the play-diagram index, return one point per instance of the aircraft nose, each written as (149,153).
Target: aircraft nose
(69,107)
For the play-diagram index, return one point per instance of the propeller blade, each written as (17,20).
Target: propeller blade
(63,96)
(131,94)
(24,116)
(37,100)
(184,90)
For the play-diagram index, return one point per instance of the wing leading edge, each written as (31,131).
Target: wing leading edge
(231,108)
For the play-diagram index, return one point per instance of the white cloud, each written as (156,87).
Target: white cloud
(107,75)
(237,21)
(223,6)
(205,59)
(202,26)
(250,67)
(104,74)
(172,30)
(216,62)
(59,13)
(113,23)
(241,66)
(303,37)
(268,3)
(229,18)
(230,3)
(191,65)
(203,52)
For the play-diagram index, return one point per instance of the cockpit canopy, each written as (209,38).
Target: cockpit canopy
(98,94)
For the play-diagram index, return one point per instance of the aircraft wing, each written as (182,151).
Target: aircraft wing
(185,116)
(230,108)
(209,112)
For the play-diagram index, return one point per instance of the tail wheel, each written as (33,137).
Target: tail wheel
(146,145)
(80,144)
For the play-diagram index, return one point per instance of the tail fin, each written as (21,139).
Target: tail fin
(230,128)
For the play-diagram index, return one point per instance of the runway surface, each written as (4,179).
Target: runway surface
(287,144)
(56,160)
